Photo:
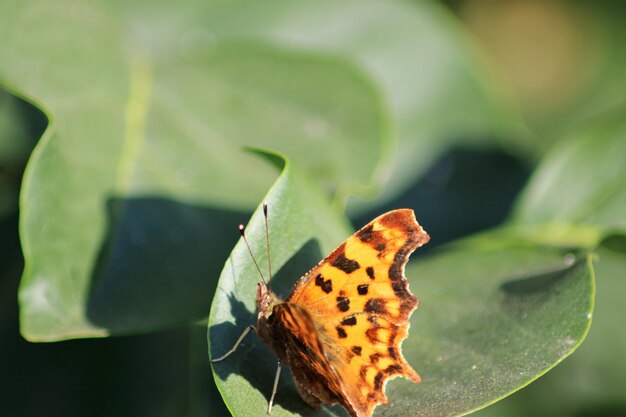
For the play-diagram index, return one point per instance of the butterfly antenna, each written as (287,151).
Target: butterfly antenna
(267,241)
(243,235)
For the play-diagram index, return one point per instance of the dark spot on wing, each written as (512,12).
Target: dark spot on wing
(375,357)
(375,305)
(325,285)
(343,303)
(346,265)
(341,332)
(381,247)
(400,258)
(378,381)
(319,280)
(349,321)
(399,288)
(392,352)
(357,350)
(362,289)
(370,272)
(393,369)
(366,233)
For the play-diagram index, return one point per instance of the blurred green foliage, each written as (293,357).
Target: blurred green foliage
(502,124)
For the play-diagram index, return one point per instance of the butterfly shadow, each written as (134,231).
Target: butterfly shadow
(254,360)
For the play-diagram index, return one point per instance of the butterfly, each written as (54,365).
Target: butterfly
(340,329)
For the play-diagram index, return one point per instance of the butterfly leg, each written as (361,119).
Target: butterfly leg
(274,389)
(237,343)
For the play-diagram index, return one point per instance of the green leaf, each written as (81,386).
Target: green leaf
(591,381)
(130,199)
(577,196)
(302,227)
(491,320)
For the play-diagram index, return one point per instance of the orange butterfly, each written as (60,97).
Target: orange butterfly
(340,329)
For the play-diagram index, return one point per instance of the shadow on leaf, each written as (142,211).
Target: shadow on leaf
(159,264)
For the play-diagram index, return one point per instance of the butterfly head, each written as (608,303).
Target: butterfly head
(266,299)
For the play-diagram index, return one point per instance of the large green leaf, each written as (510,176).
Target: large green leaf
(491,320)
(129,199)
(578,194)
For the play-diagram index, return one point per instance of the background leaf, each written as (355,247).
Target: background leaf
(577,194)
(554,91)
(440,90)
(148,160)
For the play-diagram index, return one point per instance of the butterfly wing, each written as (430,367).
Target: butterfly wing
(296,340)
(359,301)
